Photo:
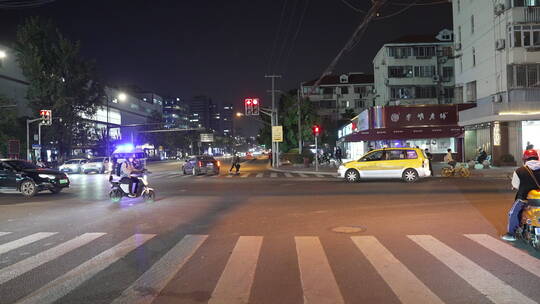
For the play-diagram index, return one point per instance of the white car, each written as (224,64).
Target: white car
(97,165)
(73,165)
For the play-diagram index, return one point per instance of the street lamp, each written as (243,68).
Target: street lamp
(3,54)
(239,114)
(120,97)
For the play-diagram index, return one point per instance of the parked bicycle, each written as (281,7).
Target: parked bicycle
(459,170)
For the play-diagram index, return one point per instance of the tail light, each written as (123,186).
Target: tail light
(218,163)
(200,163)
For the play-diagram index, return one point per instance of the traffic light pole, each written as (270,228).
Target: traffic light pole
(316,154)
(274,121)
(28,122)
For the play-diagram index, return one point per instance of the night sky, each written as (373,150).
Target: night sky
(223,48)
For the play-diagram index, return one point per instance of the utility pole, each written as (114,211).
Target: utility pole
(274,120)
(299,123)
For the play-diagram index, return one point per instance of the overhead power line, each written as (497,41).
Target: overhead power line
(353,40)
(276,38)
(20,4)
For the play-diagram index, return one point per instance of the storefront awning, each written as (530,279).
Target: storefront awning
(406,133)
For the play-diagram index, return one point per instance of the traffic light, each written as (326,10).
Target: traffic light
(46,117)
(316,130)
(249,106)
(256,105)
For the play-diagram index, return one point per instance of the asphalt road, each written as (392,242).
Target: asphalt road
(264,237)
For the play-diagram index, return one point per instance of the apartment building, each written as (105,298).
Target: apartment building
(498,66)
(415,69)
(338,93)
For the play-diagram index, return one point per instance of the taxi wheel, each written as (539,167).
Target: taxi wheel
(28,188)
(465,172)
(352,176)
(410,175)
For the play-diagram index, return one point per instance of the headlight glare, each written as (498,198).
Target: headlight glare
(49,176)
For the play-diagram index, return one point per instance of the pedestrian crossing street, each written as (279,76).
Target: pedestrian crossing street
(272,175)
(318,281)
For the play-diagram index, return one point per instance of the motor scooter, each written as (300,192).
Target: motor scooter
(529,227)
(120,188)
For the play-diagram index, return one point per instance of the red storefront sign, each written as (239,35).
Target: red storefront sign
(406,133)
(411,116)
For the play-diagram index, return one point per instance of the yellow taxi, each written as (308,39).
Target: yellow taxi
(408,164)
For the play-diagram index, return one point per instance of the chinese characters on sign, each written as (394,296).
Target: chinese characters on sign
(435,115)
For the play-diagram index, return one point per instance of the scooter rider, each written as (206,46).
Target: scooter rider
(126,170)
(524,181)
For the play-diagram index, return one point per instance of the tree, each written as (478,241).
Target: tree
(11,127)
(60,80)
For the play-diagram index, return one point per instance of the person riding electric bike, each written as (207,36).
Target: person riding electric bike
(524,181)
(127,170)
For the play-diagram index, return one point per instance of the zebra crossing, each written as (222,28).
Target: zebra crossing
(271,175)
(317,277)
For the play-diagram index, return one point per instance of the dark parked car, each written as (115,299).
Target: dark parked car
(196,165)
(28,179)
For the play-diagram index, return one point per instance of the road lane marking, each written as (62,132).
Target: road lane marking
(318,282)
(319,175)
(17,269)
(288,175)
(148,286)
(273,175)
(508,252)
(407,287)
(245,175)
(234,285)
(486,283)
(259,175)
(229,176)
(302,175)
(4,233)
(60,287)
(25,241)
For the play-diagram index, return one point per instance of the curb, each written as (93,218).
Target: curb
(303,172)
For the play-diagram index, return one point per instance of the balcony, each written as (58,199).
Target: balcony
(525,14)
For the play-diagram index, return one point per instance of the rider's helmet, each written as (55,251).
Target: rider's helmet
(530,154)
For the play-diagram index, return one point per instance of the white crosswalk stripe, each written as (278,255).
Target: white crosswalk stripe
(405,285)
(486,283)
(24,241)
(508,252)
(15,270)
(259,175)
(157,277)
(288,175)
(246,175)
(4,233)
(273,175)
(302,175)
(63,285)
(318,282)
(234,285)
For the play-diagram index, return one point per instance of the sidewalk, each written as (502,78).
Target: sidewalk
(493,172)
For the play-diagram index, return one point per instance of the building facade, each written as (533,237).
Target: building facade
(175,113)
(200,113)
(498,53)
(338,93)
(414,70)
(227,120)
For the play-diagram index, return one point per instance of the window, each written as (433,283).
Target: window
(458,94)
(461,64)
(358,103)
(360,90)
(327,104)
(344,104)
(470,91)
(524,35)
(395,154)
(524,76)
(401,93)
(373,156)
(447,51)
(522,3)
(472,24)
(459,34)
(424,71)
(425,92)
(473,57)
(399,52)
(448,72)
(344,90)
(328,91)
(400,71)
(424,51)
(411,154)
(448,92)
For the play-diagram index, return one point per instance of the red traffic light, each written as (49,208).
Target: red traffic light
(248,101)
(256,101)
(316,130)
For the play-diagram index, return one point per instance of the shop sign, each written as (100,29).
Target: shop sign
(496,134)
(277,134)
(410,116)
(207,137)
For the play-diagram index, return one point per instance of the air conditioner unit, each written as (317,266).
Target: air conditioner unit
(436,78)
(499,9)
(499,44)
(497,98)
(386,81)
(443,59)
(458,46)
